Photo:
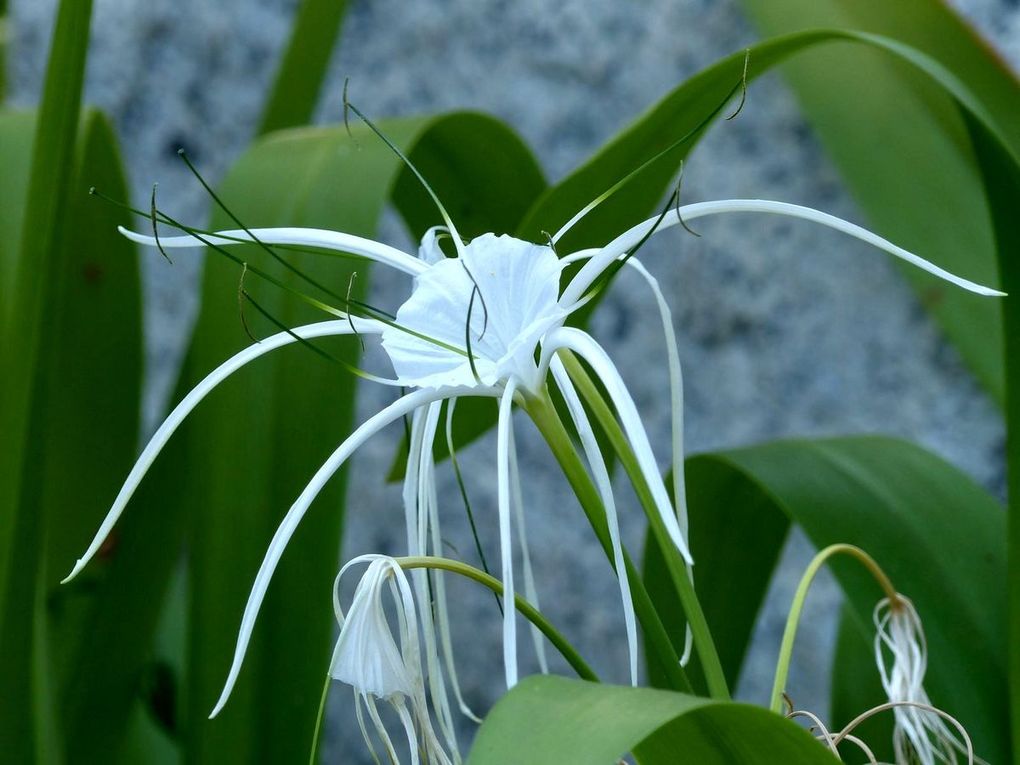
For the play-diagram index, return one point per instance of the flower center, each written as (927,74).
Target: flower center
(515,285)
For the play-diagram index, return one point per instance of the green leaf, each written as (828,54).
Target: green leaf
(938,536)
(930,26)
(85,422)
(1002,178)
(17,130)
(153,733)
(5,38)
(751,542)
(917,182)
(555,721)
(263,434)
(693,102)
(23,681)
(88,416)
(302,69)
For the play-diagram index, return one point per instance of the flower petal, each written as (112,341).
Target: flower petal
(516,301)
(301,237)
(921,733)
(530,590)
(429,250)
(605,370)
(439,579)
(600,473)
(190,401)
(676,395)
(377,422)
(426,520)
(505,542)
(366,655)
(594,267)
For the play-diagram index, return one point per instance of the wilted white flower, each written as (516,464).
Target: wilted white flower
(379,666)
(488,322)
(921,734)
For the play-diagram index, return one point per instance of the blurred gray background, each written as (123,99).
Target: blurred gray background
(784,328)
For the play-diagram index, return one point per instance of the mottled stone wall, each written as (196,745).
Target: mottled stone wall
(784,328)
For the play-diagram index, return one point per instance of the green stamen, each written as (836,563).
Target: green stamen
(467,336)
(655,158)
(679,217)
(481,298)
(607,275)
(350,319)
(155,229)
(463,492)
(743,85)
(269,250)
(369,311)
(458,243)
(240,304)
(307,343)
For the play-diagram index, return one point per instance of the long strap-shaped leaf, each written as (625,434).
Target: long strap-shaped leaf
(938,536)
(551,720)
(1002,178)
(913,170)
(302,69)
(84,423)
(20,332)
(100,629)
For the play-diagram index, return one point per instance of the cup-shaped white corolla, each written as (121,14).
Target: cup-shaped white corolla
(487,322)
(510,289)
(381,667)
(921,734)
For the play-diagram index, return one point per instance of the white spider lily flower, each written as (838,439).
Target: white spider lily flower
(485,323)
(369,659)
(517,285)
(921,734)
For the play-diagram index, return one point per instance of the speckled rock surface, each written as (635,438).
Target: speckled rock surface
(784,328)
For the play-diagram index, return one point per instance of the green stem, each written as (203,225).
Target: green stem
(318,721)
(715,678)
(797,607)
(551,427)
(526,610)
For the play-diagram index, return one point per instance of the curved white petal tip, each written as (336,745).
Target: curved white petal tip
(134,236)
(78,566)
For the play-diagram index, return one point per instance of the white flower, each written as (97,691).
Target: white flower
(921,734)
(516,285)
(489,323)
(368,658)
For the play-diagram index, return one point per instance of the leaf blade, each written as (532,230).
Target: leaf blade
(549,719)
(936,534)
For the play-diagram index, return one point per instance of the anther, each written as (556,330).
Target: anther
(743,85)
(679,217)
(241,295)
(155,228)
